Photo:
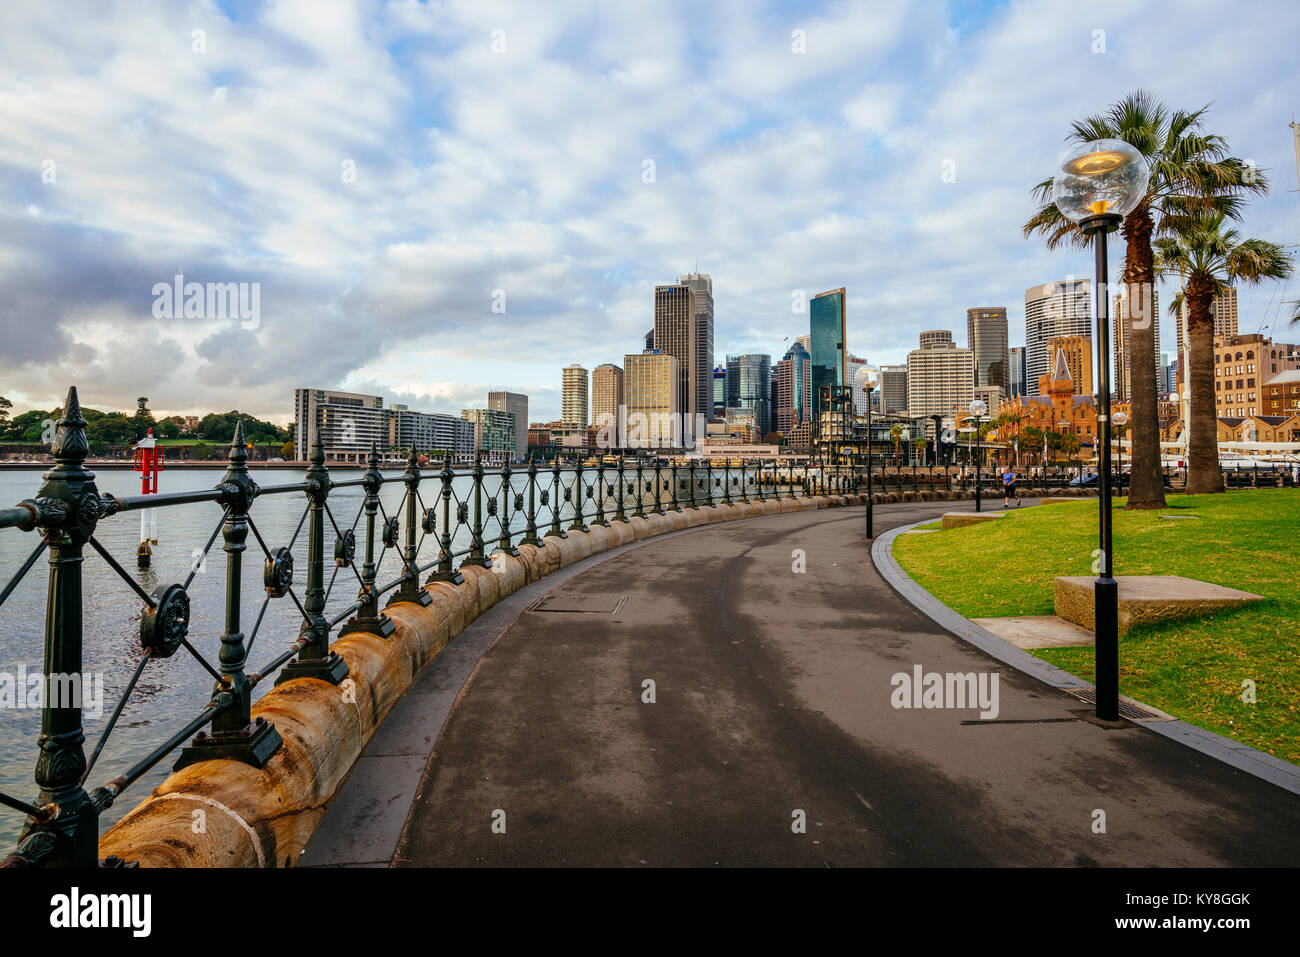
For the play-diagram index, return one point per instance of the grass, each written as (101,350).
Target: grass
(1194,668)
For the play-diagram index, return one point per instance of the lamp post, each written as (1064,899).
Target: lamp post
(867,377)
(1120,419)
(937,419)
(977,410)
(1100,183)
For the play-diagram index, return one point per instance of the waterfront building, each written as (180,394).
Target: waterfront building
(574,396)
(827,331)
(517,405)
(348,423)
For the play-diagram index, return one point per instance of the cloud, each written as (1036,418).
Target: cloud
(383,169)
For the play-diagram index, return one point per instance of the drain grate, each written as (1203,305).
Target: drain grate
(1127,709)
(579,604)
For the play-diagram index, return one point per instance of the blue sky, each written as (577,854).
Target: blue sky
(502,146)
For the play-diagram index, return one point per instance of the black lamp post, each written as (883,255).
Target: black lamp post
(867,378)
(1120,419)
(937,420)
(977,410)
(1099,184)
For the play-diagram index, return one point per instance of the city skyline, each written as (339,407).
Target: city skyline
(817,172)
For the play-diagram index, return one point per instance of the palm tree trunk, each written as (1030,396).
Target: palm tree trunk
(1203,474)
(1146,486)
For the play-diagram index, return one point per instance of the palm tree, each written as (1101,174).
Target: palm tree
(896,433)
(1191,174)
(1211,258)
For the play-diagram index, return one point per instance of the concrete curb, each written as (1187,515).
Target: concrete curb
(1254,762)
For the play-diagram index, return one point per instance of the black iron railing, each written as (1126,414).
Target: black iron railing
(444,522)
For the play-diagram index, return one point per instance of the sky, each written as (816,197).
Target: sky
(433,200)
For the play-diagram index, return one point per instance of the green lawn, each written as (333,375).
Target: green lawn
(1193,669)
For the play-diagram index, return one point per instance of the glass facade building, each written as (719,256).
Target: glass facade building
(826,328)
(749,388)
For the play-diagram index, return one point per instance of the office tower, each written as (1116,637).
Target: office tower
(1052,311)
(1123,314)
(940,377)
(805,341)
(1224,310)
(1078,359)
(719,393)
(516,404)
(650,341)
(826,326)
(852,364)
(494,431)
(651,393)
(684,329)
(986,337)
(893,389)
(749,388)
(573,396)
(792,378)
(429,431)
(347,423)
(1016,374)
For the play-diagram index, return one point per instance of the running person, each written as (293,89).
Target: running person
(1009,489)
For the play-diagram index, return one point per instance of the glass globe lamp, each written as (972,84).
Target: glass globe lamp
(1100,178)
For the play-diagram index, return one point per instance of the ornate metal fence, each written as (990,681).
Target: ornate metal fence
(495,512)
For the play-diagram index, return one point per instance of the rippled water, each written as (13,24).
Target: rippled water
(174,690)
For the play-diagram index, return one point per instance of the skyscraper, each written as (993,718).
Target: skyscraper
(719,393)
(940,377)
(1124,314)
(986,336)
(826,328)
(684,329)
(651,386)
(749,388)
(1223,309)
(1016,372)
(606,397)
(793,380)
(1053,310)
(893,388)
(573,396)
(517,405)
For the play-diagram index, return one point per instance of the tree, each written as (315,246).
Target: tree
(1191,174)
(896,433)
(1031,439)
(1211,258)
(772,438)
(144,420)
(5,406)
(286,451)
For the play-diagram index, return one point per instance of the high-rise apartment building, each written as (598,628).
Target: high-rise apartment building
(893,389)
(1125,312)
(1015,372)
(684,329)
(749,388)
(827,331)
(429,431)
(347,423)
(651,393)
(852,364)
(1078,359)
(516,403)
(573,396)
(606,399)
(986,336)
(793,378)
(940,377)
(1052,311)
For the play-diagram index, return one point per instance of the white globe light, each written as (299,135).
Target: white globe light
(867,377)
(1102,176)
(978,408)
(1120,419)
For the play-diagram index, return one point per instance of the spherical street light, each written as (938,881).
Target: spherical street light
(1102,177)
(868,378)
(977,409)
(1100,183)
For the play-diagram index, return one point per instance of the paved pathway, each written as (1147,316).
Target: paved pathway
(772,696)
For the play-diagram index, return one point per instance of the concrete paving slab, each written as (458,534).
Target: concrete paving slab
(1038,631)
